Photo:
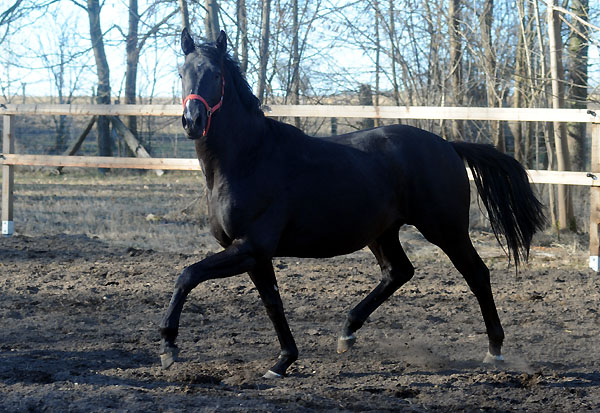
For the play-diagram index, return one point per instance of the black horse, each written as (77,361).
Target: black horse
(275,192)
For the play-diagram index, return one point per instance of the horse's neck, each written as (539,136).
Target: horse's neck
(233,142)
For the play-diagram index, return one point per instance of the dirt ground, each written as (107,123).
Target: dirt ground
(79,316)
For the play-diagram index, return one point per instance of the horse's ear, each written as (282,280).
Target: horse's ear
(187,43)
(222,42)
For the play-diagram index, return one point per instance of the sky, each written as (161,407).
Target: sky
(159,80)
(43,37)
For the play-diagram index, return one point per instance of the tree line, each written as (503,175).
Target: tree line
(512,53)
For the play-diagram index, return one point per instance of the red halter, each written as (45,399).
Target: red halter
(209,110)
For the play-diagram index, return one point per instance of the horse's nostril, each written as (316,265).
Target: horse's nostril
(184,121)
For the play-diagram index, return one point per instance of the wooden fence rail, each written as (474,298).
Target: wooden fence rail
(192,164)
(326,111)
(8,159)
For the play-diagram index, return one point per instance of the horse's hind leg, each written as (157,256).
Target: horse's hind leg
(467,261)
(396,270)
(476,273)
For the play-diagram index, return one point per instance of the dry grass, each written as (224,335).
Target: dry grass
(139,210)
(168,213)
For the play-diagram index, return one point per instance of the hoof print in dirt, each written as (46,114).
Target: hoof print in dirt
(403,392)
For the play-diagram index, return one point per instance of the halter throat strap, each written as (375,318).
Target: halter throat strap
(209,110)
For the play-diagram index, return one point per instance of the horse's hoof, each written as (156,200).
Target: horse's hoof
(272,375)
(345,342)
(168,357)
(493,359)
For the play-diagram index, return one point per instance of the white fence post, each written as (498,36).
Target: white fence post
(595,201)
(8,145)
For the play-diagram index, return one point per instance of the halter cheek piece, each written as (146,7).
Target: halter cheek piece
(209,110)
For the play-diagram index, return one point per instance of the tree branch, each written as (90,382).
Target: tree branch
(573,15)
(154,29)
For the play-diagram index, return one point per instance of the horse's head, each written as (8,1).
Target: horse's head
(203,83)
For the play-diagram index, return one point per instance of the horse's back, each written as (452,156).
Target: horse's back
(429,176)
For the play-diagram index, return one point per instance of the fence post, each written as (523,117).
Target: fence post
(595,201)
(8,145)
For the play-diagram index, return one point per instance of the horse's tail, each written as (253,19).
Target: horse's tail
(504,188)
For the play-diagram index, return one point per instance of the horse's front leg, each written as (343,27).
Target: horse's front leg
(263,278)
(234,260)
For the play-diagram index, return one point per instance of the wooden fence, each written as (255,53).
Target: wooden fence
(8,159)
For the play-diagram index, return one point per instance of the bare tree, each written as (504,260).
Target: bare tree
(525,84)
(92,8)
(133,57)
(578,79)
(61,55)
(377,20)
(295,92)
(211,20)
(433,93)
(565,207)
(365,98)
(455,62)
(185,15)
(14,14)
(134,45)
(519,85)
(393,51)
(264,49)
(242,35)
(489,65)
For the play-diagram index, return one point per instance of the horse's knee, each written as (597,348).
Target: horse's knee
(186,280)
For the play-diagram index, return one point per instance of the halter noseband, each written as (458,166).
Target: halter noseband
(209,110)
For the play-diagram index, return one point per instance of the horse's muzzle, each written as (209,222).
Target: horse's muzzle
(194,120)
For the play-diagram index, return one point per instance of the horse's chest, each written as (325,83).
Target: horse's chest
(226,217)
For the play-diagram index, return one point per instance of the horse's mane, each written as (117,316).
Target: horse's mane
(232,67)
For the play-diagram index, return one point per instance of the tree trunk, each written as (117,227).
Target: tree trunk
(489,67)
(264,50)
(185,15)
(565,208)
(102,69)
(365,98)
(211,20)
(433,75)
(136,148)
(518,98)
(60,84)
(578,78)
(455,63)
(295,60)
(392,34)
(242,19)
(544,87)
(377,55)
(132,63)
(531,148)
